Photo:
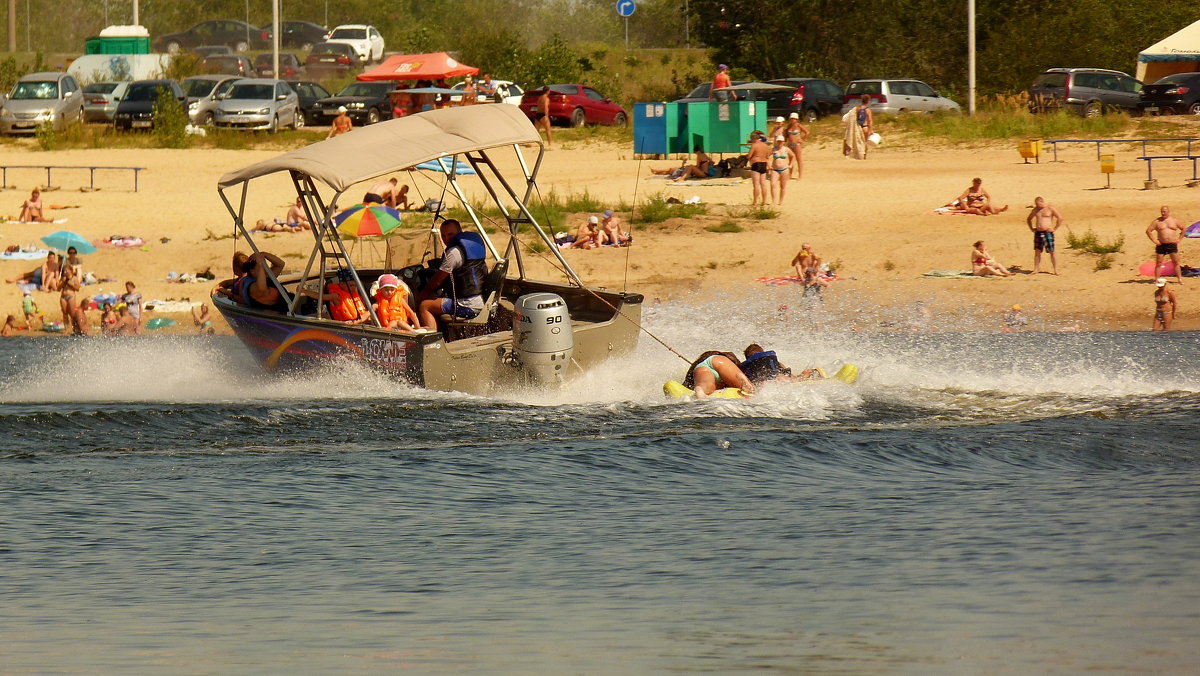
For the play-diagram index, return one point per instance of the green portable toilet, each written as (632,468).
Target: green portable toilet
(119,40)
(699,129)
(676,127)
(732,122)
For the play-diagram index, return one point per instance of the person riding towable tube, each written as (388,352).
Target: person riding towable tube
(762,366)
(715,370)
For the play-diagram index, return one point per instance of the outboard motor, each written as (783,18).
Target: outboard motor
(542,338)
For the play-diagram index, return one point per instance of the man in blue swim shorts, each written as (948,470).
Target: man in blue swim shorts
(1043,220)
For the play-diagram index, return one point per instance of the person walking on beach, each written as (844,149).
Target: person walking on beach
(541,117)
(1043,220)
(782,159)
(760,153)
(720,81)
(859,124)
(1165,231)
(1164,306)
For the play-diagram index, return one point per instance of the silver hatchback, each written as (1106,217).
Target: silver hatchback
(42,97)
(897,96)
(203,96)
(259,103)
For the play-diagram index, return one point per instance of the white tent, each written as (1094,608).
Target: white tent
(1179,53)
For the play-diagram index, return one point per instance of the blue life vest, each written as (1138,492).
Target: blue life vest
(763,366)
(468,278)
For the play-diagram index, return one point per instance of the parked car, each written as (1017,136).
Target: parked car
(229,64)
(290,67)
(897,96)
(42,97)
(332,59)
(1086,91)
(701,93)
(136,109)
(812,98)
(263,103)
(1178,93)
(238,35)
(366,41)
(506,92)
(100,100)
(309,93)
(203,93)
(365,102)
(211,50)
(300,35)
(577,105)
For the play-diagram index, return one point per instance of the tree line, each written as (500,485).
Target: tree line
(927,39)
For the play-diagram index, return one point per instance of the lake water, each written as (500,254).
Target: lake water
(979,503)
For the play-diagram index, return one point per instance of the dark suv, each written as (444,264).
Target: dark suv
(1086,91)
(810,97)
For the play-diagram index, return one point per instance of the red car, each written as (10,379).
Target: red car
(577,105)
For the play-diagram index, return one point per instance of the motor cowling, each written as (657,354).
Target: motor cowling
(543,341)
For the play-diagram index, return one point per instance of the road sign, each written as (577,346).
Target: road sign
(625,8)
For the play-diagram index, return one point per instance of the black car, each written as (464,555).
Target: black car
(300,35)
(365,103)
(136,110)
(332,59)
(289,66)
(309,93)
(1178,94)
(238,35)
(811,97)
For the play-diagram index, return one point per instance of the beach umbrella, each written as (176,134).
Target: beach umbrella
(65,239)
(1193,230)
(364,220)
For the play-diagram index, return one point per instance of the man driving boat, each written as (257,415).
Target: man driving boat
(464,263)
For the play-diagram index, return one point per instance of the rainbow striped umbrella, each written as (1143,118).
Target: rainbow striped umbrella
(365,220)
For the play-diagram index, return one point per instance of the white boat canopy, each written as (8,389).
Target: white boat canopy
(385,147)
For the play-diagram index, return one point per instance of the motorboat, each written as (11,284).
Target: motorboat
(531,332)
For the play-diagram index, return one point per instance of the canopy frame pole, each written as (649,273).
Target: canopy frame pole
(240,226)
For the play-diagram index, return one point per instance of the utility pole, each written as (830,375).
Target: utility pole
(137,21)
(971,56)
(12,25)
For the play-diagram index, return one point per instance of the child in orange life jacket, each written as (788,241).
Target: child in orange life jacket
(345,303)
(391,305)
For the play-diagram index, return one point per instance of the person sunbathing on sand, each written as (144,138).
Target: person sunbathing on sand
(976,200)
(982,263)
(32,209)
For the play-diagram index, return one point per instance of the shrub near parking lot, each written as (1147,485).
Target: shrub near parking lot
(170,121)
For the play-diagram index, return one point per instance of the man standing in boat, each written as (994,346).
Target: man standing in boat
(465,265)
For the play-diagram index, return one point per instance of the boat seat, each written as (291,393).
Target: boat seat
(492,286)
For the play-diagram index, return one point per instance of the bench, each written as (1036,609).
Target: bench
(1144,141)
(1149,159)
(91,171)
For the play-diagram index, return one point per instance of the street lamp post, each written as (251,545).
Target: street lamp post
(971,57)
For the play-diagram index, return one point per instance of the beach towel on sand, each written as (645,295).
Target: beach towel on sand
(12,222)
(955,274)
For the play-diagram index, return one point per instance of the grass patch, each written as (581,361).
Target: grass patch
(1005,117)
(1104,262)
(725,226)
(1089,242)
(758,212)
(657,209)
(888,265)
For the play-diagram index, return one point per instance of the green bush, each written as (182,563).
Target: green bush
(170,121)
(657,209)
(47,138)
(758,212)
(1104,262)
(1089,242)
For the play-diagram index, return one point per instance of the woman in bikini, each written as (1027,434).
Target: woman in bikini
(781,164)
(976,200)
(66,298)
(796,134)
(1164,306)
(982,263)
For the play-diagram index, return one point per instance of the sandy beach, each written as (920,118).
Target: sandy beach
(872,219)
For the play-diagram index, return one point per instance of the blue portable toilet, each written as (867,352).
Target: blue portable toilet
(650,128)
